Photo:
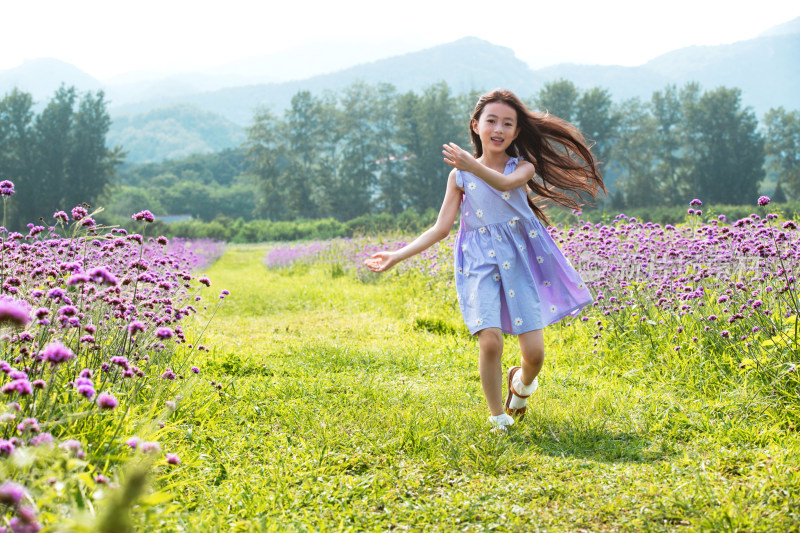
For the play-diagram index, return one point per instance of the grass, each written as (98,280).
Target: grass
(335,404)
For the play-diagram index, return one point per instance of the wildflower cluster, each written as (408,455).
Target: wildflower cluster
(89,322)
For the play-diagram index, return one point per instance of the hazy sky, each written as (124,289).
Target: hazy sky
(108,37)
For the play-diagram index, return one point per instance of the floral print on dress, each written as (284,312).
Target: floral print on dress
(506,196)
(506,265)
(539,259)
(491,253)
(496,277)
(479,213)
(532,234)
(511,293)
(482,230)
(471,186)
(518,321)
(546,283)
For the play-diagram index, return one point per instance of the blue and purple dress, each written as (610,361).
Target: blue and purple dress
(509,272)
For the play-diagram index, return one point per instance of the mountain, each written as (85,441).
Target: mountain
(41,77)
(163,115)
(472,61)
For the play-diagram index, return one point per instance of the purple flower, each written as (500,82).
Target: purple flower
(195,370)
(135,327)
(162,241)
(725,334)
(56,353)
(21,386)
(106,401)
(102,276)
(168,374)
(173,459)
(789,224)
(100,479)
(763,200)
(134,442)
(11,493)
(6,447)
(29,424)
(695,202)
(205,281)
(151,447)
(145,215)
(42,438)
(61,215)
(6,188)
(71,445)
(78,212)
(14,311)
(164,333)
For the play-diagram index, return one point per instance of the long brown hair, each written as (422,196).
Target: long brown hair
(558,151)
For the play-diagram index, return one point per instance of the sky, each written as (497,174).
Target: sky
(107,38)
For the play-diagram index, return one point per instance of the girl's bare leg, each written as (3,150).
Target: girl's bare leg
(490,355)
(531,344)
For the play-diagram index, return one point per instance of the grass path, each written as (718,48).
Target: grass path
(337,414)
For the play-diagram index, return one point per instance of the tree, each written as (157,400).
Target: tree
(558,98)
(782,146)
(632,158)
(596,118)
(16,151)
(267,163)
(729,162)
(669,143)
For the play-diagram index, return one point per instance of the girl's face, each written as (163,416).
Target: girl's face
(496,127)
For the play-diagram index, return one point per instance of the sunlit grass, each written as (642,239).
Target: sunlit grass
(330,410)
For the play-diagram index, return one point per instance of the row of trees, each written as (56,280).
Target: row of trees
(370,149)
(58,158)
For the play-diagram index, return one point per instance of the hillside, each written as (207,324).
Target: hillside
(173,116)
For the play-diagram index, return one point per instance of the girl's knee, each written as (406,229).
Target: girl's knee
(490,340)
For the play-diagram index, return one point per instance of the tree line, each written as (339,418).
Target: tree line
(370,149)
(58,157)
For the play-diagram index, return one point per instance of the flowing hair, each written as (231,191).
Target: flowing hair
(558,151)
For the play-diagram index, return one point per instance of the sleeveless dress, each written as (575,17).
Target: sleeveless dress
(509,273)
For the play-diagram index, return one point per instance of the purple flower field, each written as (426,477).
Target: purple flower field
(90,329)
(713,299)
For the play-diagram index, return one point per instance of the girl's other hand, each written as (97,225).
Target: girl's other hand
(381,261)
(457,157)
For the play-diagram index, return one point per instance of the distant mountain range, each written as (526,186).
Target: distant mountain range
(178,114)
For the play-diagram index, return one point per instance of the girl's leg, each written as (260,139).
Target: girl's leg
(490,350)
(531,344)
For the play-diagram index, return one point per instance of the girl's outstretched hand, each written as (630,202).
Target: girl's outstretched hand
(381,261)
(457,157)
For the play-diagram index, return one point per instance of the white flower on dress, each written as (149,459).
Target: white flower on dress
(506,265)
(506,196)
(511,293)
(499,238)
(472,296)
(532,233)
(512,222)
(540,259)
(479,322)
(546,283)
(463,247)
(491,253)
(581,285)
(479,213)
(518,321)
(482,230)
(521,247)
(466,272)
(552,308)
(460,270)
(496,277)
(471,186)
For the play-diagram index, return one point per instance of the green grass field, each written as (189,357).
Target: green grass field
(340,410)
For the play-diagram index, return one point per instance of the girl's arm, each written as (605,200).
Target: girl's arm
(444,223)
(462,160)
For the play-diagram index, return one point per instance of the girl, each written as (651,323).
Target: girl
(510,275)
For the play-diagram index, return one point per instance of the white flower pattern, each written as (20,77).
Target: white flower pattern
(506,265)
(496,277)
(532,234)
(511,293)
(539,259)
(506,196)
(518,321)
(471,186)
(479,213)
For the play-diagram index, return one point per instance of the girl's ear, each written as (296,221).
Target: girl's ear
(516,133)
(474,125)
